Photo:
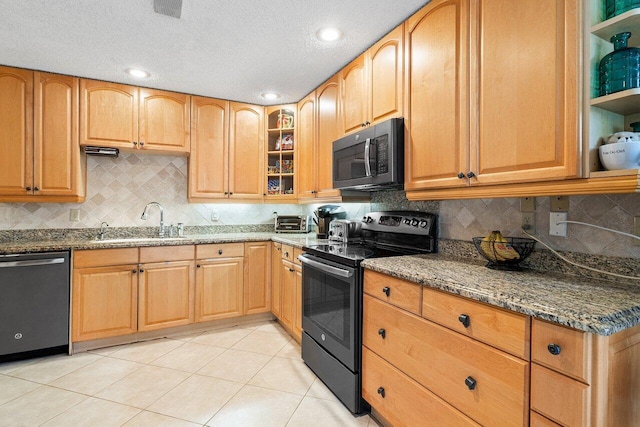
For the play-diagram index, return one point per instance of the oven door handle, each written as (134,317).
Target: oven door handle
(335,271)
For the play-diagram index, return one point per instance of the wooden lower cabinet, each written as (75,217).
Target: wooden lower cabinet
(104,302)
(276,266)
(297,304)
(291,291)
(288,286)
(166,293)
(219,288)
(257,275)
(401,400)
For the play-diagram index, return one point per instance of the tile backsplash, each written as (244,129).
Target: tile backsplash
(119,188)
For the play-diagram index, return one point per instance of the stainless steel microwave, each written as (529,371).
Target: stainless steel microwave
(371,159)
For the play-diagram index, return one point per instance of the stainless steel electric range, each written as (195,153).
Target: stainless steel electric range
(332,292)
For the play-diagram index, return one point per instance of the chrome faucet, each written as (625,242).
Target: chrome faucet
(144,216)
(102,229)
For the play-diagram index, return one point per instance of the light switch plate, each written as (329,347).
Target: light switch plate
(555,229)
(74,214)
(215,215)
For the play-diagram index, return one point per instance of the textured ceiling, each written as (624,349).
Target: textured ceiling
(231,49)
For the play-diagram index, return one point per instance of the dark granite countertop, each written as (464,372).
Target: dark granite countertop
(590,305)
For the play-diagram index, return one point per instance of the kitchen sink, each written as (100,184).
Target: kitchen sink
(138,239)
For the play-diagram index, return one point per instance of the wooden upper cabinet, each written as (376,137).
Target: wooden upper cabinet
(209,159)
(57,166)
(386,76)
(306,145)
(16,131)
(127,117)
(437,144)
(354,89)
(246,151)
(327,128)
(371,85)
(164,122)
(108,114)
(526,81)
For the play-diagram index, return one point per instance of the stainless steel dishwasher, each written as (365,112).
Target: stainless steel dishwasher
(34,304)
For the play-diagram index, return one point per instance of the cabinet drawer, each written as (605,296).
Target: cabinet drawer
(288,252)
(503,329)
(166,253)
(104,257)
(443,361)
(220,250)
(560,398)
(537,420)
(398,292)
(405,402)
(572,344)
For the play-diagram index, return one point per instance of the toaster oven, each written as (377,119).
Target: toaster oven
(292,224)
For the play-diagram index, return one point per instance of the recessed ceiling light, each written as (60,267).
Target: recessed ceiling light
(137,73)
(270,95)
(329,34)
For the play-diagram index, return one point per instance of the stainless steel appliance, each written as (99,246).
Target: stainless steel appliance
(332,288)
(344,230)
(323,217)
(292,224)
(371,159)
(34,304)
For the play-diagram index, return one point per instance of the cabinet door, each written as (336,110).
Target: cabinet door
(104,302)
(16,131)
(386,74)
(257,277)
(288,281)
(297,303)
(57,166)
(327,128)
(276,267)
(209,158)
(166,295)
(164,121)
(246,155)
(437,144)
(219,289)
(527,91)
(108,114)
(307,167)
(354,92)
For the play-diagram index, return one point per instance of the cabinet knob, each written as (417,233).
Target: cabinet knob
(362,125)
(231,193)
(367,123)
(554,349)
(386,290)
(28,188)
(264,194)
(141,143)
(135,143)
(461,175)
(197,265)
(141,270)
(279,249)
(219,251)
(465,320)
(134,271)
(291,270)
(382,333)
(381,391)
(226,192)
(471,174)
(286,254)
(471,383)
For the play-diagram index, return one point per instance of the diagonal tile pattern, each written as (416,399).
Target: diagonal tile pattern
(248,375)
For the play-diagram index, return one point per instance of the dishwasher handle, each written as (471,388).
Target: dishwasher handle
(32,262)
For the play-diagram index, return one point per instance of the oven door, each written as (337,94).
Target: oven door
(330,295)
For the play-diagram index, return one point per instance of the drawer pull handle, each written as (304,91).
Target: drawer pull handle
(465,320)
(382,333)
(286,254)
(381,391)
(470,382)
(386,290)
(554,349)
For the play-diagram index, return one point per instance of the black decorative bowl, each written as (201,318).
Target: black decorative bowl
(505,255)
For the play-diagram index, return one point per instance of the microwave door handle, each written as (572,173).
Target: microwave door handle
(367,157)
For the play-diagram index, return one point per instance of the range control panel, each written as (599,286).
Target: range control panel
(400,222)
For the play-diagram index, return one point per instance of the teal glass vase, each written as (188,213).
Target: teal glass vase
(616,7)
(620,69)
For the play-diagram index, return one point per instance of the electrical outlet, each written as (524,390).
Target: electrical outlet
(215,215)
(556,229)
(74,214)
(529,222)
(636,229)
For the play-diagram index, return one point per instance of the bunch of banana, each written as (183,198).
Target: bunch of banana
(497,248)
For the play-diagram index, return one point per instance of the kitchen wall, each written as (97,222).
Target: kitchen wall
(119,188)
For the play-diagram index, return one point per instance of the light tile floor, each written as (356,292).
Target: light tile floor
(247,375)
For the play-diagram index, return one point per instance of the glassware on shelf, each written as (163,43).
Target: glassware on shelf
(620,69)
(616,7)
